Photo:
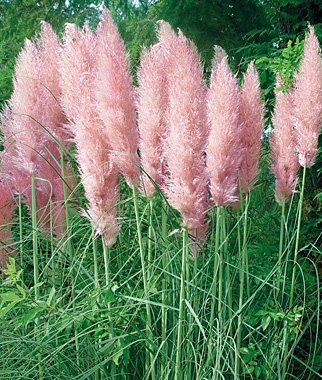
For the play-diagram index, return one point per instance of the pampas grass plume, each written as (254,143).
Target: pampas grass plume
(308,100)
(282,143)
(115,99)
(187,132)
(251,119)
(151,106)
(99,176)
(224,150)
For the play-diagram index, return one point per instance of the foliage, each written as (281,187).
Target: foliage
(109,321)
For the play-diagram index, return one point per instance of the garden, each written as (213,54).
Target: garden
(160,190)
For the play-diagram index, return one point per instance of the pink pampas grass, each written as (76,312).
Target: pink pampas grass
(187,132)
(7,206)
(48,50)
(224,150)
(33,116)
(251,119)
(152,103)
(99,176)
(26,108)
(115,99)
(283,149)
(308,100)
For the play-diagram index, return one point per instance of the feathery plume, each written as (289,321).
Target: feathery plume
(308,100)
(224,150)
(115,99)
(151,106)
(187,132)
(34,113)
(48,49)
(251,119)
(99,176)
(7,207)
(282,142)
(26,109)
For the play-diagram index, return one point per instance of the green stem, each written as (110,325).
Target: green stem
(229,286)
(164,287)
(51,228)
(70,248)
(107,257)
(297,239)
(296,251)
(96,287)
(214,281)
(35,261)
(35,237)
(145,287)
(221,270)
(237,354)
(242,269)
(214,284)
(96,281)
(280,251)
(106,254)
(148,272)
(178,373)
(245,250)
(228,291)
(20,232)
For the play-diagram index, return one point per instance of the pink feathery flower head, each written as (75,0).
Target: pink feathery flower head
(115,99)
(308,100)
(187,132)
(26,108)
(99,175)
(251,119)
(151,107)
(7,206)
(283,148)
(224,150)
(49,50)
(34,115)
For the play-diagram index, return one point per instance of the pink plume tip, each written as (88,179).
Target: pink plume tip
(151,107)
(224,150)
(283,149)
(308,100)
(187,133)
(99,177)
(115,99)
(251,119)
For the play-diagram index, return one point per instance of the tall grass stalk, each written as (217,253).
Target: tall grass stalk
(20,232)
(180,334)
(69,247)
(96,287)
(148,275)
(164,314)
(107,259)
(297,239)
(35,264)
(281,249)
(242,269)
(95,262)
(245,250)
(213,288)
(296,251)
(149,348)
(229,286)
